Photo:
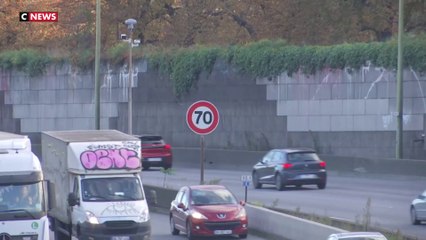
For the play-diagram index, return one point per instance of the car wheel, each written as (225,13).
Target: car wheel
(242,236)
(173,229)
(256,183)
(279,182)
(189,231)
(321,185)
(298,185)
(414,220)
(145,167)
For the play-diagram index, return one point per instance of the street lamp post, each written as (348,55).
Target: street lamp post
(130,25)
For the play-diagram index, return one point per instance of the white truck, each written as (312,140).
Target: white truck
(23,191)
(99,192)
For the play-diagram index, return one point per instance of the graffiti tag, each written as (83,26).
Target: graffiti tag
(104,159)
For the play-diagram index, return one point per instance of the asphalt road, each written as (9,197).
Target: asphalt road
(160,230)
(346,196)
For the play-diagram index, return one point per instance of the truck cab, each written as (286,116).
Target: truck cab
(23,191)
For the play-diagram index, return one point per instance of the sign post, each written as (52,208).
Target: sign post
(202,118)
(245,179)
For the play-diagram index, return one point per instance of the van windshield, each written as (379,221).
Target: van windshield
(111,189)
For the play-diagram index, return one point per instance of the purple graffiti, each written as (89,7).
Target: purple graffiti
(104,159)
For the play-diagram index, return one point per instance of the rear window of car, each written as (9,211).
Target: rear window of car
(150,139)
(302,157)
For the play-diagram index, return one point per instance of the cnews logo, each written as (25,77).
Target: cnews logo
(38,16)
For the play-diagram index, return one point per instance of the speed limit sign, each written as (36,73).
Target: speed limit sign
(202,117)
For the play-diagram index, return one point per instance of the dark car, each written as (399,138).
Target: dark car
(418,209)
(207,210)
(155,152)
(282,167)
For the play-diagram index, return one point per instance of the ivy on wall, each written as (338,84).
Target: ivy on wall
(266,58)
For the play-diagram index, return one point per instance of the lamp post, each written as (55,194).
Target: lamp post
(130,25)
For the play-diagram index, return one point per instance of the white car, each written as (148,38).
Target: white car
(357,236)
(418,209)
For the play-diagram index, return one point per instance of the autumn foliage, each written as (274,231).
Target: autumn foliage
(219,22)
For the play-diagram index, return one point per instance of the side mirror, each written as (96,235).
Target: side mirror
(50,194)
(181,206)
(151,197)
(242,203)
(73,200)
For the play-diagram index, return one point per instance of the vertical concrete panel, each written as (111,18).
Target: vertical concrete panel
(288,108)
(30,125)
(319,123)
(314,107)
(331,107)
(376,106)
(271,92)
(342,123)
(413,122)
(365,123)
(21,111)
(304,107)
(353,107)
(297,123)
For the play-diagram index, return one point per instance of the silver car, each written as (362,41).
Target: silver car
(418,209)
(357,236)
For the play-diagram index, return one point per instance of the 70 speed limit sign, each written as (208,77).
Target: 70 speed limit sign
(202,117)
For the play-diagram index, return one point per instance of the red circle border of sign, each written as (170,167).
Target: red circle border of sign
(210,106)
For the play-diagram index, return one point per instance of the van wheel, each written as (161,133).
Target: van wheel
(173,229)
(189,231)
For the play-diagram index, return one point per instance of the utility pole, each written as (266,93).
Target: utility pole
(97,63)
(130,25)
(399,83)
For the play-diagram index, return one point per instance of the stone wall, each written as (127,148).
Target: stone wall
(340,112)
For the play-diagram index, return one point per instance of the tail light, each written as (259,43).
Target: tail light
(167,146)
(287,165)
(322,164)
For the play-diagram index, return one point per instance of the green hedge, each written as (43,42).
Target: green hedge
(30,61)
(269,58)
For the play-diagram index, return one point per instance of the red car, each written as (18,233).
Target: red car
(207,210)
(155,152)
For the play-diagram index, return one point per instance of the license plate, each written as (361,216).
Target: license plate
(308,176)
(154,159)
(120,238)
(222,232)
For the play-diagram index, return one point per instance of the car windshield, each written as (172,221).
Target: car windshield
(212,197)
(302,157)
(111,189)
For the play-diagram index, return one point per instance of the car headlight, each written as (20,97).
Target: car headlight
(144,215)
(197,215)
(91,218)
(242,213)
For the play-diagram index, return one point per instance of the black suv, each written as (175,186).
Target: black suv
(282,167)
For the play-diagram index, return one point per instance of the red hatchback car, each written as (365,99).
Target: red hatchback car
(155,152)
(207,210)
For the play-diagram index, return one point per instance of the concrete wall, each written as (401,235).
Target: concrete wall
(336,112)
